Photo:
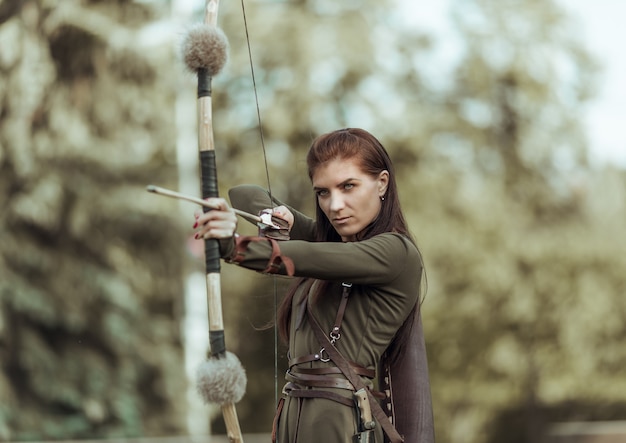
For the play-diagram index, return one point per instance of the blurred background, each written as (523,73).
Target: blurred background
(504,119)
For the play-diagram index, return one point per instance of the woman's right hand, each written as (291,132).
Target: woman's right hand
(282,217)
(283,213)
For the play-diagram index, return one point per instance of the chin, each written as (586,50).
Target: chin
(347,235)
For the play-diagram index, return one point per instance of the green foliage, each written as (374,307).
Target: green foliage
(520,313)
(89,337)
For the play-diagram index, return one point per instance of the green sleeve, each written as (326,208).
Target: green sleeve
(253,199)
(376,261)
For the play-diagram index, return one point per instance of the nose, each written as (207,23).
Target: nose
(336,202)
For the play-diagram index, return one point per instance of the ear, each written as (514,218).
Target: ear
(383,182)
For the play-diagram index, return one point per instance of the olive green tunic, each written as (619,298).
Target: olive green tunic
(385,272)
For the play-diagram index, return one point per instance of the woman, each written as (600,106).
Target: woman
(359,283)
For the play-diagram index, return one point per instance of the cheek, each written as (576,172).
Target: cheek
(374,206)
(370,198)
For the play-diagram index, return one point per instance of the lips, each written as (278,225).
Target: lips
(341,220)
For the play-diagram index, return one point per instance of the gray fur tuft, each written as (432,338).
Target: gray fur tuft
(221,380)
(205,46)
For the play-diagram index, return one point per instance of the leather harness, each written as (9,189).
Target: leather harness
(300,380)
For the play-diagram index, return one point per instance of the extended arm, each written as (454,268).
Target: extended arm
(377,261)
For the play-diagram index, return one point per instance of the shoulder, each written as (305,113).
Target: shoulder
(396,241)
(396,247)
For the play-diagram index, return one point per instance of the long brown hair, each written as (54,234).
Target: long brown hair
(373,158)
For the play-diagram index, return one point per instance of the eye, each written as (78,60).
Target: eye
(348,186)
(321,192)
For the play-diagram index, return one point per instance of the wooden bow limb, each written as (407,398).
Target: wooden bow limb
(222,380)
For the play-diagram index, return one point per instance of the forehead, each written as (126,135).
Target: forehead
(337,171)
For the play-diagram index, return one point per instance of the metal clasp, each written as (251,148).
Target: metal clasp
(322,358)
(334,335)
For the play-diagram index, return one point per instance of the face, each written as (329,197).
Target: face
(349,197)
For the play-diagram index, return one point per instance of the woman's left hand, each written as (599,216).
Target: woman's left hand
(216,223)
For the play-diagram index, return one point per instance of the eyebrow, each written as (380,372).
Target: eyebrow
(317,188)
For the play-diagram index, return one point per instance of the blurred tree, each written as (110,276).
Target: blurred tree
(90,267)
(319,65)
(526,291)
(517,96)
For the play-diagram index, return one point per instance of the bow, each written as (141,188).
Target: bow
(221,378)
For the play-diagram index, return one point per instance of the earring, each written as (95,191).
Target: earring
(382,198)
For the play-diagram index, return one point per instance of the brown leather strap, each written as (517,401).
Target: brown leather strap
(310,393)
(305,359)
(319,381)
(360,370)
(335,333)
(276,258)
(294,362)
(342,363)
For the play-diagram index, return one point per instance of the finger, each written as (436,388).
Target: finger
(278,211)
(218,203)
(223,211)
(221,226)
(216,232)
(284,213)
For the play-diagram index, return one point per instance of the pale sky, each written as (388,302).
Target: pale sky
(605,33)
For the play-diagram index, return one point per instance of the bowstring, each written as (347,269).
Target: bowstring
(256,100)
(269,188)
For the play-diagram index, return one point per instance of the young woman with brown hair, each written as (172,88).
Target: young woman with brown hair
(352,318)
